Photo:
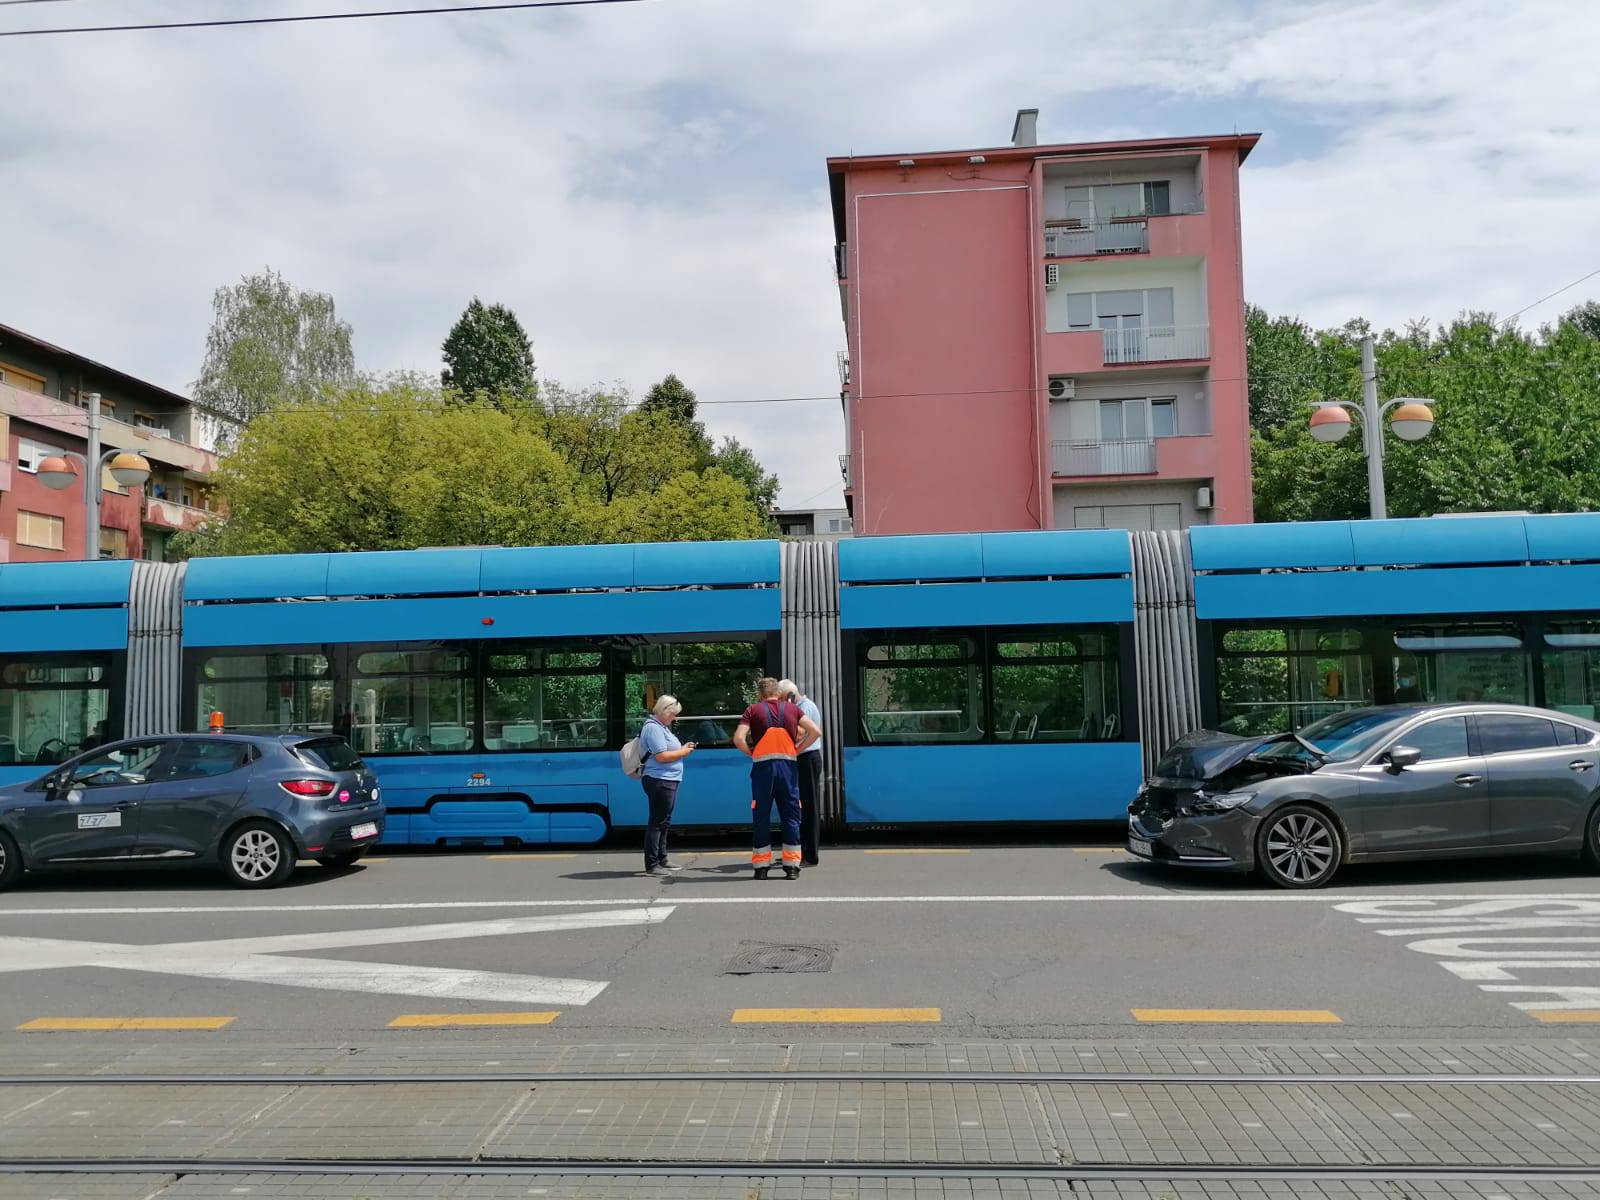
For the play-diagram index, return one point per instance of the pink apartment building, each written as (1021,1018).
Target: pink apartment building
(1044,337)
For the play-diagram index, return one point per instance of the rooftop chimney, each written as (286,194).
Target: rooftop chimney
(1025,129)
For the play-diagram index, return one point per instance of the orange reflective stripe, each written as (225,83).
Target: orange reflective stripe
(761,858)
(791,854)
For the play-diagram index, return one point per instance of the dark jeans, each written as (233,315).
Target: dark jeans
(810,805)
(663,796)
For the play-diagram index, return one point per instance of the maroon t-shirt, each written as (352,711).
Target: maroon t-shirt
(766,714)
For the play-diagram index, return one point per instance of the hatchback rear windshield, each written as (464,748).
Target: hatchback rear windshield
(331,754)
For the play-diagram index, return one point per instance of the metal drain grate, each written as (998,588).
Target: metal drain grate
(761,958)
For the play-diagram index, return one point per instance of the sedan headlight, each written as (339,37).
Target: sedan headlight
(1222,801)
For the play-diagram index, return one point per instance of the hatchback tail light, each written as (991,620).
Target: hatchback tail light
(307,787)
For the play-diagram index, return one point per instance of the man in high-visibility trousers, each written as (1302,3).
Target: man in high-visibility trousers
(773,732)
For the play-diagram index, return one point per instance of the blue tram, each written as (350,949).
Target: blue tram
(964,678)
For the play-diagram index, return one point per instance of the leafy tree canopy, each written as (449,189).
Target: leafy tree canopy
(1517,423)
(401,465)
(488,355)
(270,344)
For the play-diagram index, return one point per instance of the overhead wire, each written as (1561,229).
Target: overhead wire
(301,18)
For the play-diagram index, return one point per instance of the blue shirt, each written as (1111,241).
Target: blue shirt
(653,739)
(811,711)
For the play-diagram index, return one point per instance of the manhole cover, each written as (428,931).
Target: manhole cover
(759,958)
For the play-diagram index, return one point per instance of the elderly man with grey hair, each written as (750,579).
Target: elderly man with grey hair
(810,764)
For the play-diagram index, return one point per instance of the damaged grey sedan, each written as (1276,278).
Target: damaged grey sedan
(1388,784)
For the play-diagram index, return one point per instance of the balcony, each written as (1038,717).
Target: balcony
(1070,238)
(1155,343)
(843,359)
(172,516)
(844,468)
(1136,456)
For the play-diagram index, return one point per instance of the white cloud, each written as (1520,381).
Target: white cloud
(644,183)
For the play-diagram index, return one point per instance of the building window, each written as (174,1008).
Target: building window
(1135,420)
(545,698)
(714,681)
(40,530)
(23,381)
(52,707)
(278,691)
(31,453)
(145,421)
(840,525)
(1140,517)
(113,543)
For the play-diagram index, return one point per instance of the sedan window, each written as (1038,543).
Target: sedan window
(1506,733)
(1445,738)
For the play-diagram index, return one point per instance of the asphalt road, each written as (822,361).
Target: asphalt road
(938,942)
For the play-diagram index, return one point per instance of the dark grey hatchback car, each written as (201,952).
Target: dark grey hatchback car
(251,805)
(1400,782)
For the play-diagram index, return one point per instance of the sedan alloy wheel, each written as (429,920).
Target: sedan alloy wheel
(1299,848)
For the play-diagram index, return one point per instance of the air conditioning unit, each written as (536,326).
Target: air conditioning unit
(1063,389)
(1202,499)
(1052,276)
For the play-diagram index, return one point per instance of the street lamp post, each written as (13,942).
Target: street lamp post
(128,469)
(1412,421)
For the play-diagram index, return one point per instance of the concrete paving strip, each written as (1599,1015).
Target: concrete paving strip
(664,896)
(1365,1128)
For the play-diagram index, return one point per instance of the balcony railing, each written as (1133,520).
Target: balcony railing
(1156,343)
(843,359)
(1122,235)
(844,468)
(841,260)
(1135,456)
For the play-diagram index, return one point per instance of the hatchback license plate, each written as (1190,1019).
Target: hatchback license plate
(365,830)
(1140,847)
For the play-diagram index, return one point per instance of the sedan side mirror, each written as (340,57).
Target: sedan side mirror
(1402,757)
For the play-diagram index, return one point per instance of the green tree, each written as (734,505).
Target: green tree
(396,466)
(1585,316)
(488,355)
(269,344)
(1517,420)
(673,398)
(739,462)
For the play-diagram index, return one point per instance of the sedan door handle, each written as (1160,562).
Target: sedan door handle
(128,804)
(1579,764)
(1467,781)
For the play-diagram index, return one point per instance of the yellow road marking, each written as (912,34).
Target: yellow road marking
(920,850)
(514,857)
(1566,1016)
(95,1024)
(834,1016)
(441,1020)
(1239,1016)
(364,860)
(1100,849)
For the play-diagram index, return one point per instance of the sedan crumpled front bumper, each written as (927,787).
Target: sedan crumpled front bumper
(1215,841)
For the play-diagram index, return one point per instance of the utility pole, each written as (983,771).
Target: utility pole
(91,483)
(1372,429)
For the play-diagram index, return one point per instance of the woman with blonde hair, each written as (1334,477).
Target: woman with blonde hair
(663,771)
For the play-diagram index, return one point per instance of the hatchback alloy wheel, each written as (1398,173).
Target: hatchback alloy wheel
(258,856)
(1299,848)
(10,861)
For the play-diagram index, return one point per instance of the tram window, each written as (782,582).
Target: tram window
(544,698)
(1284,678)
(921,689)
(267,691)
(1572,668)
(1062,687)
(714,681)
(412,701)
(1437,664)
(52,707)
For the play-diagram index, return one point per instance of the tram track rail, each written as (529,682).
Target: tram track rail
(1011,1078)
(723,1169)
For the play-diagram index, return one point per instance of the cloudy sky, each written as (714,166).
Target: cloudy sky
(644,183)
